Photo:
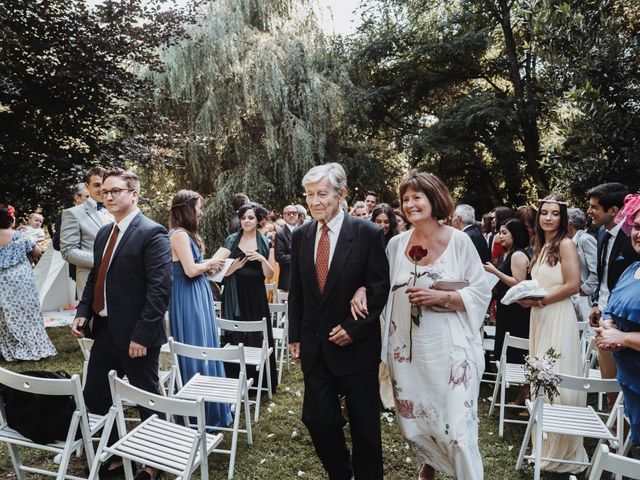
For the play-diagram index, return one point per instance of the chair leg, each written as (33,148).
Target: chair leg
(538,448)
(234,437)
(503,399)
(496,387)
(204,459)
(247,417)
(67,452)
(525,441)
(128,469)
(259,393)
(104,438)
(268,369)
(16,460)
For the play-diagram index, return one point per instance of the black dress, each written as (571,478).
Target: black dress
(252,300)
(509,318)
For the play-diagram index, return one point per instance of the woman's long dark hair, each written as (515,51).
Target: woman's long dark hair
(183,214)
(553,251)
(391,215)
(518,232)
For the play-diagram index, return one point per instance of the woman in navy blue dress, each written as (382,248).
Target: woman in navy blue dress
(191,312)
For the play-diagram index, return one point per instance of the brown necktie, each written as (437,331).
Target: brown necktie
(98,292)
(322,257)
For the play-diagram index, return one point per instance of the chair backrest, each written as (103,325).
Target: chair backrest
(240,326)
(121,391)
(513,342)
(611,462)
(589,385)
(42,386)
(231,353)
(284,296)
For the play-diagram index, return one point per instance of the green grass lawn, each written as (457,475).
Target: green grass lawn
(282,448)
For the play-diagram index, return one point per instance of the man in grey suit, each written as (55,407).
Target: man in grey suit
(587,249)
(79,227)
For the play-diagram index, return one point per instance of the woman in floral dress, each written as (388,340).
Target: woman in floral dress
(435,358)
(22,333)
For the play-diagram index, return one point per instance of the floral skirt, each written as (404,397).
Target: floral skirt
(436,390)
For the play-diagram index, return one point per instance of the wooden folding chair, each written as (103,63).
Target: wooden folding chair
(233,391)
(88,424)
(156,442)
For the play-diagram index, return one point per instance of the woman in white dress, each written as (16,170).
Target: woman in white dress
(436,358)
(553,322)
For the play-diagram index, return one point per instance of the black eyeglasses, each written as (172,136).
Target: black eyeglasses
(115,192)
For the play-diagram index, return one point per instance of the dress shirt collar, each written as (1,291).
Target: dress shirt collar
(614,231)
(334,224)
(290,227)
(92,203)
(126,221)
(467,228)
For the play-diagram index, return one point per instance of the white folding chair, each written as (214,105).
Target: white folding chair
(259,357)
(569,420)
(284,296)
(88,424)
(156,442)
(233,391)
(509,374)
(488,345)
(280,335)
(590,370)
(87,343)
(606,461)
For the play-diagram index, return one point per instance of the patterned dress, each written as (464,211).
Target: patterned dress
(436,367)
(22,332)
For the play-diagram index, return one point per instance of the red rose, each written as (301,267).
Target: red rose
(417,253)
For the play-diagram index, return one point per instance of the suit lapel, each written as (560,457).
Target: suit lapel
(127,233)
(341,254)
(601,234)
(92,214)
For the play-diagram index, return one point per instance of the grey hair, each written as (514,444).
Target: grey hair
(78,188)
(331,171)
(577,218)
(358,204)
(466,214)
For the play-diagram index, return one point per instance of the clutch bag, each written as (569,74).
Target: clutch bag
(448,286)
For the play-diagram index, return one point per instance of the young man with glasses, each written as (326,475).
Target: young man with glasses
(126,296)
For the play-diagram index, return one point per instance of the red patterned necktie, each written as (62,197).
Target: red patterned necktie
(98,292)
(322,257)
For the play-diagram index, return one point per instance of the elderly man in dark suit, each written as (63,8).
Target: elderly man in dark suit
(127,294)
(464,218)
(283,246)
(331,257)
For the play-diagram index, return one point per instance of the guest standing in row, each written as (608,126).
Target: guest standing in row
(511,270)
(283,246)
(384,216)
(436,362)
(587,253)
(556,267)
(191,312)
(620,332)
(22,332)
(244,296)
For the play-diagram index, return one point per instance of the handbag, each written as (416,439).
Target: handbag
(41,418)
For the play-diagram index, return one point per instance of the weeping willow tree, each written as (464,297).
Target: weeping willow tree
(258,95)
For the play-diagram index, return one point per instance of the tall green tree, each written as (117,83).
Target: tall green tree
(504,99)
(69,97)
(257,89)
